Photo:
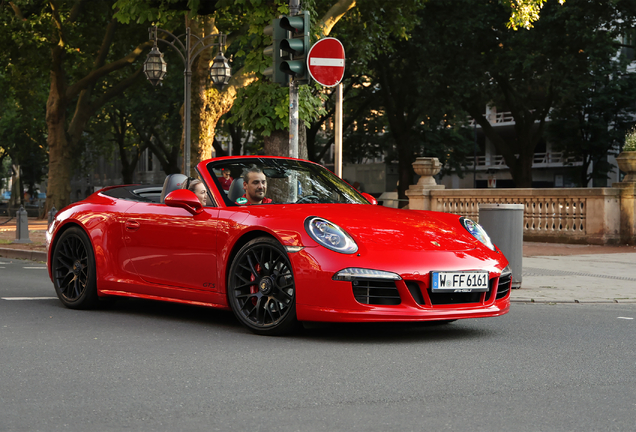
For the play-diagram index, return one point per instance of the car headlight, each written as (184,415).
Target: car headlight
(330,235)
(477,231)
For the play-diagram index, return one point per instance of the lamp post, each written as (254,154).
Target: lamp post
(155,70)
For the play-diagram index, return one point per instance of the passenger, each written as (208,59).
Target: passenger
(226,180)
(198,188)
(255,186)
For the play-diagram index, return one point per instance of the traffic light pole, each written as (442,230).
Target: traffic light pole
(293,119)
(294,8)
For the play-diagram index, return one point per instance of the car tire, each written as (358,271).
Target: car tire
(73,269)
(261,289)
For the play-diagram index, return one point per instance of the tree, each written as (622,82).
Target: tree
(22,126)
(479,61)
(84,47)
(590,122)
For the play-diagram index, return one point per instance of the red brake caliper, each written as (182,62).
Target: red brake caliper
(254,288)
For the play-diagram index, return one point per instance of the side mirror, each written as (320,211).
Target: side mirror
(185,199)
(370,198)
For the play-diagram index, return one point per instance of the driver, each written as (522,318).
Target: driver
(255,186)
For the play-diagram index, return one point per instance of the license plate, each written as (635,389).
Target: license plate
(463,281)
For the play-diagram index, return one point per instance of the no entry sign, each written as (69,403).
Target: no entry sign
(326,61)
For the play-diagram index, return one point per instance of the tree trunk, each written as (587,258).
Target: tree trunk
(58,188)
(277,144)
(208,103)
(16,190)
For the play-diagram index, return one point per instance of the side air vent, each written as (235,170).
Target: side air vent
(503,288)
(376,292)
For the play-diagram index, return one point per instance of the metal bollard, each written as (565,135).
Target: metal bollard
(22,226)
(52,214)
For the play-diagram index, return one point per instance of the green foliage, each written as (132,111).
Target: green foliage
(630,140)
(264,107)
(524,12)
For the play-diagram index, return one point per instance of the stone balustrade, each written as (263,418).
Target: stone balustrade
(573,215)
(579,215)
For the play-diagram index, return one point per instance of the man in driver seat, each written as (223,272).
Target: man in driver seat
(255,186)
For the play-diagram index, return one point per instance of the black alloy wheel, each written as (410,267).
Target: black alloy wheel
(261,288)
(73,268)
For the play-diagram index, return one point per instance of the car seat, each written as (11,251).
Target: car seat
(236,190)
(171,183)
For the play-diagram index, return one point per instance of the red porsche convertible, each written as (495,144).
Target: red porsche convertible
(278,241)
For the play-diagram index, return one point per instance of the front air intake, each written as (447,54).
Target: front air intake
(376,292)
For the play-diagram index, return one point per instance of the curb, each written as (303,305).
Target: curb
(22,254)
(544,301)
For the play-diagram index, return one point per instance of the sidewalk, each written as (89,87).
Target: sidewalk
(552,272)
(558,273)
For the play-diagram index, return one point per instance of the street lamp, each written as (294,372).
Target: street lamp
(155,70)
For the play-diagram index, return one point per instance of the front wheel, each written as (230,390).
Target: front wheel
(261,288)
(73,268)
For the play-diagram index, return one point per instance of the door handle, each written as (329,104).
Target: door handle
(132,225)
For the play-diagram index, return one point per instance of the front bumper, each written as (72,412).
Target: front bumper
(320,298)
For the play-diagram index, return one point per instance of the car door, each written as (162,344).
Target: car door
(170,246)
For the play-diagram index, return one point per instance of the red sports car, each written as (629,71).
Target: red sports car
(287,242)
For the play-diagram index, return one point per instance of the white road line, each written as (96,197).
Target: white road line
(317,61)
(29,298)
(627,318)
(29,268)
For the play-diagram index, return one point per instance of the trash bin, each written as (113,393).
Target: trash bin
(504,225)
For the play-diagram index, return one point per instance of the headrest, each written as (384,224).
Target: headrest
(236,189)
(172,182)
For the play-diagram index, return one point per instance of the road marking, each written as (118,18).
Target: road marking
(627,318)
(34,267)
(29,298)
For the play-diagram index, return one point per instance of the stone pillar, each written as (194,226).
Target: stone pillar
(420,194)
(627,163)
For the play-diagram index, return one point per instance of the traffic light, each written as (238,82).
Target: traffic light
(296,45)
(278,34)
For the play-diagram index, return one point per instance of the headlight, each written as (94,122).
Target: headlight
(477,231)
(330,235)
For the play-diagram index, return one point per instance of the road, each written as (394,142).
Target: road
(147,366)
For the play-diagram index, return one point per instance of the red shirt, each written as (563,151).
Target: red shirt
(226,182)
(265,201)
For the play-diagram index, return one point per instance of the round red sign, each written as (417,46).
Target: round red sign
(326,61)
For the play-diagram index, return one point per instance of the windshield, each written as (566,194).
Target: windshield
(279,181)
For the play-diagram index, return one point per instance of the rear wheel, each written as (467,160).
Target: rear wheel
(73,268)
(261,288)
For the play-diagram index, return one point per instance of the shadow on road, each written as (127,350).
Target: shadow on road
(308,332)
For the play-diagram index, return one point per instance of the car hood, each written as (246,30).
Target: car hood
(383,227)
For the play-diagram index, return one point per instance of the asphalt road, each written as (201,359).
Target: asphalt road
(147,366)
